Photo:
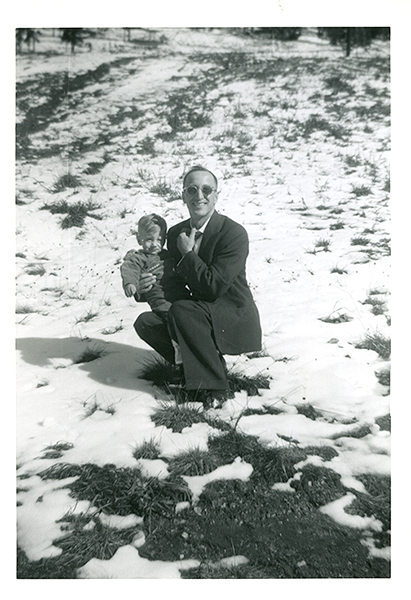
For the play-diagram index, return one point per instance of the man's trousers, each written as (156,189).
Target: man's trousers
(190,325)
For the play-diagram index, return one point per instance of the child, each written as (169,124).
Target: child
(151,235)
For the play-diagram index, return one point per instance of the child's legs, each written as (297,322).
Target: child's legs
(153,330)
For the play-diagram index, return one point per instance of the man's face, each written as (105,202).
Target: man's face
(200,204)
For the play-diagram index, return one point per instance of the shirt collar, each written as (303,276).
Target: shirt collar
(202,228)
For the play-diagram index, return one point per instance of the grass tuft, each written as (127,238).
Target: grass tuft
(160,372)
(339,270)
(90,354)
(360,241)
(384,422)
(121,491)
(177,416)
(112,330)
(88,316)
(377,342)
(148,450)
(379,307)
(340,318)
(308,411)
(317,123)
(164,189)
(337,225)
(81,544)
(265,410)
(75,213)
(324,244)
(319,484)
(376,502)
(360,190)
(66,181)
(337,85)
(194,462)
(384,377)
(270,465)
(94,406)
(250,383)
(35,269)
(24,309)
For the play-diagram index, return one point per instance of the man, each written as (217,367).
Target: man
(213,312)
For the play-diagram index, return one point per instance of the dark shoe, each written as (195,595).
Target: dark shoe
(210,398)
(219,397)
(177,377)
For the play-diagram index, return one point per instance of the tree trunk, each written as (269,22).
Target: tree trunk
(348,39)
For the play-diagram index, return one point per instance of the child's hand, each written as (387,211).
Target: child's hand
(130,290)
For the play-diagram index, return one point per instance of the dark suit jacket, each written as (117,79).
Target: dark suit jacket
(217,276)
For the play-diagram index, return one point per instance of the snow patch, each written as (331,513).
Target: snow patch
(119,522)
(237,470)
(336,511)
(128,564)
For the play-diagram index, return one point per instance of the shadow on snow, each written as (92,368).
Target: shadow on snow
(116,364)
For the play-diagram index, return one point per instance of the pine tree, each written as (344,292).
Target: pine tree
(74,37)
(27,36)
(350,37)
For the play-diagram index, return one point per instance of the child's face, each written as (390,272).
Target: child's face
(152,242)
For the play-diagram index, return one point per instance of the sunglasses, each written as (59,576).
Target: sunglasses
(206,190)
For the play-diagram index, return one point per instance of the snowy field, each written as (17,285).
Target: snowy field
(299,137)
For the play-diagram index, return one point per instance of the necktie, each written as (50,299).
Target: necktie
(197,242)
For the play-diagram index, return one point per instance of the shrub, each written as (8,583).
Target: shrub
(277,33)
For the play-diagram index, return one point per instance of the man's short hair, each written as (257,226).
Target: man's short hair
(199,168)
(148,224)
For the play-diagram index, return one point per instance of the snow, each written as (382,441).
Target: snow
(119,522)
(128,564)
(43,503)
(101,408)
(239,469)
(336,511)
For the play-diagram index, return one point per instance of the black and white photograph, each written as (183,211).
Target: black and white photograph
(203,301)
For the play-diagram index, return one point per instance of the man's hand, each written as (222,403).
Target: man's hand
(146,282)
(130,290)
(185,243)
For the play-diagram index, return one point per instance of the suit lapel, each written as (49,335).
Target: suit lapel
(209,237)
